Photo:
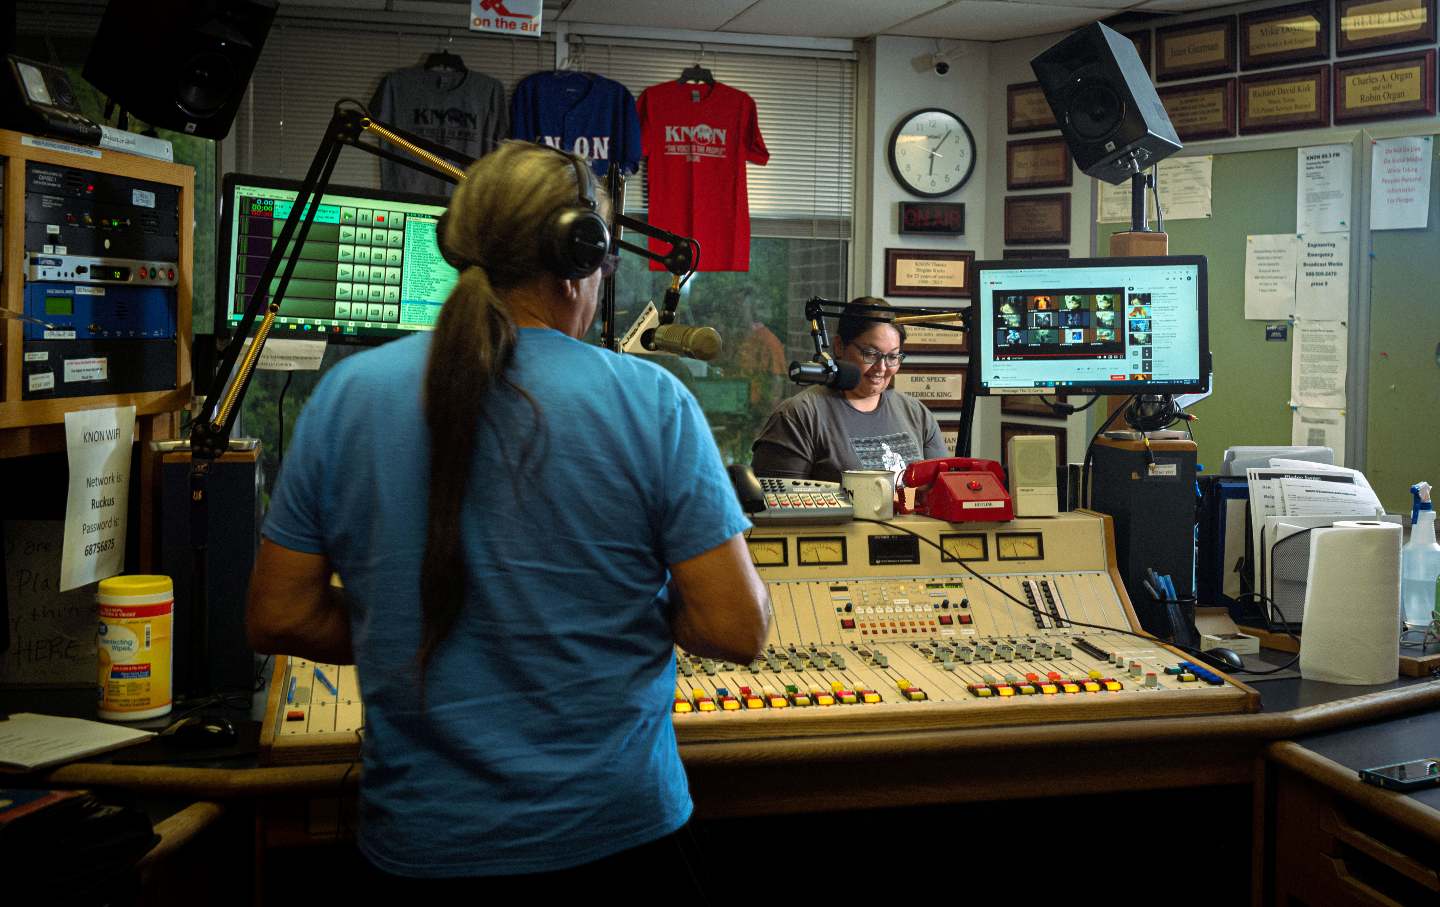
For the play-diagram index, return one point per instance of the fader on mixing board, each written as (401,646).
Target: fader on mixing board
(874,629)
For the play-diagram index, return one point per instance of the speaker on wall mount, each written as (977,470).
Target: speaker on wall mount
(179,64)
(1105,103)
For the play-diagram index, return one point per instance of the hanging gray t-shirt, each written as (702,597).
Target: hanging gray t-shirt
(817,435)
(462,110)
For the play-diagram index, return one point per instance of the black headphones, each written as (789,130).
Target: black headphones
(574,239)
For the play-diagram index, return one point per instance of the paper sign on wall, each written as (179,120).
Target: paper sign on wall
(1322,190)
(1270,276)
(1318,364)
(1322,286)
(1316,427)
(1184,184)
(1400,183)
(98,444)
(506,17)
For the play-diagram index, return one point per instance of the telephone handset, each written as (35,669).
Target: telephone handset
(789,501)
(959,489)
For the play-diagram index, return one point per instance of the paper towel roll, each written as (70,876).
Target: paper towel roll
(1351,628)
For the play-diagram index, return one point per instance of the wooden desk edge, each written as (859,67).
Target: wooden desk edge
(1333,776)
(1261,728)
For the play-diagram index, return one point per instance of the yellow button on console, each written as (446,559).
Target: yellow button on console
(869,696)
(1049,689)
(1092,687)
(1113,685)
(1070,687)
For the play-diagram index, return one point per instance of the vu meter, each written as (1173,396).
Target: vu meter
(821,552)
(1019,546)
(966,547)
(768,552)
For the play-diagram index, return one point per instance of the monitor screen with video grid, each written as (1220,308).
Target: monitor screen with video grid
(370,269)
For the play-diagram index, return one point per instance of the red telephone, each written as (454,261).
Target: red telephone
(959,489)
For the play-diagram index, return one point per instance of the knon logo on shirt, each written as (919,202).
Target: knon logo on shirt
(696,141)
(594,147)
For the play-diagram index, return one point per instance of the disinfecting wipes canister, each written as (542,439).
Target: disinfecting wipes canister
(133,644)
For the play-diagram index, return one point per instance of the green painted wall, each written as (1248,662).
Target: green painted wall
(1403,444)
(1253,193)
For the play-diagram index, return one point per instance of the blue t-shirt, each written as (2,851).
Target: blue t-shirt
(547,742)
(580,112)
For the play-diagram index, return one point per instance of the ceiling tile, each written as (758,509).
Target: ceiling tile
(833,19)
(995,20)
(1176,6)
(694,15)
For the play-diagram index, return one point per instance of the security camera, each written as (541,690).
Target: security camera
(940,65)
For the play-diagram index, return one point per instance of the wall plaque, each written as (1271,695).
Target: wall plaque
(1201,110)
(1287,99)
(1037,218)
(1196,49)
(1381,88)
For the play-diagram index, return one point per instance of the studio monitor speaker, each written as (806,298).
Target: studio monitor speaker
(1105,104)
(1034,486)
(179,64)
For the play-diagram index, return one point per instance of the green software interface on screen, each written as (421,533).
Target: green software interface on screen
(369,270)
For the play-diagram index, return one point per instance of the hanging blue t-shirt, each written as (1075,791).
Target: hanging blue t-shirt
(547,741)
(580,112)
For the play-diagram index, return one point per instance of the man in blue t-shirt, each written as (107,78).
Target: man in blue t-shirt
(574,511)
(579,112)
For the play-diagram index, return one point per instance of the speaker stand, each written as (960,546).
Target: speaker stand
(1140,241)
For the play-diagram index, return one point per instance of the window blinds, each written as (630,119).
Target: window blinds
(307,66)
(806,106)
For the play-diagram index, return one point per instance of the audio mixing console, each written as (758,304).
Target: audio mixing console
(881,627)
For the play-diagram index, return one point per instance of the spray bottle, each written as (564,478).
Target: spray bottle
(1420,561)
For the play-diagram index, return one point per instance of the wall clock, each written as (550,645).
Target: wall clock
(932,152)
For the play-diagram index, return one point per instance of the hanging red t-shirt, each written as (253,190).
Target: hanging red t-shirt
(696,140)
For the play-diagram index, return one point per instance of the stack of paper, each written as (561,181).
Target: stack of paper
(1295,495)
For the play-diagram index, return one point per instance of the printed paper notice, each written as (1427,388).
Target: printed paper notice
(1270,276)
(1400,183)
(285,355)
(1184,184)
(1322,190)
(98,443)
(1322,287)
(1318,363)
(1314,427)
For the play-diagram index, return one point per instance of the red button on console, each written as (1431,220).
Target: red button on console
(973,485)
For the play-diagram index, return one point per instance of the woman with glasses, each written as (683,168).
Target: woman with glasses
(526,525)
(821,432)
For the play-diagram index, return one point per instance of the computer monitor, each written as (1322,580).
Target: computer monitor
(1091,326)
(369,271)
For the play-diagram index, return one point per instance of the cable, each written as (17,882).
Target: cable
(1066,409)
(280,418)
(1284,627)
(1090,450)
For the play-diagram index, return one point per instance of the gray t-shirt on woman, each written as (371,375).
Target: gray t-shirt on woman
(817,435)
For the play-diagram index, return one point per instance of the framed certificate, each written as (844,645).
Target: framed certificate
(1037,164)
(1286,99)
(1037,218)
(928,272)
(1382,88)
(1195,49)
(1026,109)
(1285,34)
(1201,110)
(937,386)
(1363,25)
(926,338)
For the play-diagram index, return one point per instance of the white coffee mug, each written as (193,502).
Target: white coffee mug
(872,492)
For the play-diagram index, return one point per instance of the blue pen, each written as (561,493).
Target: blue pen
(290,695)
(320,675)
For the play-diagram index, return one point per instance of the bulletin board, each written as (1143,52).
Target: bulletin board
(1253,192)
(1402,445)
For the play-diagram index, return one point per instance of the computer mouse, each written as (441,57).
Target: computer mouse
(197,731)
(1223,658)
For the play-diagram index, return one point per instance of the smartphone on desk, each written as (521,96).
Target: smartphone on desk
(1412,775)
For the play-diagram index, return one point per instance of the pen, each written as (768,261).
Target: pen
(320,675)
(290,694)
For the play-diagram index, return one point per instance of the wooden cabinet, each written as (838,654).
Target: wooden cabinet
(36,426)
(1333,840)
